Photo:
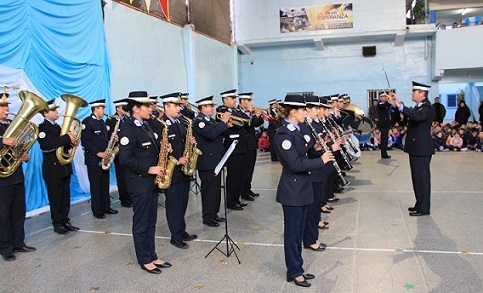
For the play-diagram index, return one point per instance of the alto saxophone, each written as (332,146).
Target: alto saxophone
(168,163)
(112,148)
(191,152)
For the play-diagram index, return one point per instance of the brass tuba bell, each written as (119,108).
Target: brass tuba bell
(71,125)
(23,130)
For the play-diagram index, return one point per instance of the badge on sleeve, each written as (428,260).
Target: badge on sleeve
(137,123)
(168,122)
(207,119)
(307,138)
(108,127)
(155,135)
(202,125)
(291,128)
(124,140)
(42,134)
(83,126)
(286,144)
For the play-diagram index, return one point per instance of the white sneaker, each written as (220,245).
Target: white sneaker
(464,149)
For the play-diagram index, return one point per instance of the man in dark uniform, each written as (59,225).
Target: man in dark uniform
(138,153)
(273,126)
(155,112)
(185,108)
(235,173)
(120,117)
(384,123)
(419,146)
(56,175)
(209,136)
(246,108)
(177,193)
(94,140)
(12,197)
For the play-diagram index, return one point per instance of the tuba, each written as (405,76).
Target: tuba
(191,152)
(168,163)
(112,148)
(71,125)
(24,131)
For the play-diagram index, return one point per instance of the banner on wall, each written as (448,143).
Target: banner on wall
(313,18)
(156,7)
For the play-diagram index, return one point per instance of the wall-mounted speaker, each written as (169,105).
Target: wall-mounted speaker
(369,51)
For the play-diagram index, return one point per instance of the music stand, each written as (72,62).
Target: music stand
(194,184)
(230,244)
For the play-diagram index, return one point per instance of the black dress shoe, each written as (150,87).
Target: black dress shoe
(69,227)
(190,237)
(111,211)
(417,214)
(25,249)
(330,208)
(254,194)
(413,209)
(180,244)
(326,211)
(126,204)
(247,197)
(8,256)
(308,276)
(320,248)
(60,229)
(156,270)
(235,207)
(303,283)
(334,199)
(220,219)
(211,224)
(163,265)
(100,216)
(386,157)
(241,204)
(323,227)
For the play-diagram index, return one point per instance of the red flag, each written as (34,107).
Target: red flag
(165,8)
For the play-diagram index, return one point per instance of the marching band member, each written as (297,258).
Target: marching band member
(94,140)
(12,197)
(273,127)
(56,175)
(294,190)
(209,135)
(177,193)
(138,153)
(185,108)
(234,165)
(155,113)
(121,116)
(384,123)
(246,108)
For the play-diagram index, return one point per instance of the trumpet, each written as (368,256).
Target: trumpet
(238,121)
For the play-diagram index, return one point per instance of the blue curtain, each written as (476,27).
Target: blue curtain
(61,47)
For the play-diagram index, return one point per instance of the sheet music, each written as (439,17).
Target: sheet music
(225,157)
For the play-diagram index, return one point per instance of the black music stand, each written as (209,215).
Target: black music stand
(194,185)
(230,244)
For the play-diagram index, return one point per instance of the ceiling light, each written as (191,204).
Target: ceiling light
(464,11)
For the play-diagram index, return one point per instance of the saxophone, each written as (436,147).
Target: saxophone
(191,152)
(112,147)
(168,163)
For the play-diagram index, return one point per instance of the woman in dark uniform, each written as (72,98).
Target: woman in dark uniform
(294,190)
(138,153)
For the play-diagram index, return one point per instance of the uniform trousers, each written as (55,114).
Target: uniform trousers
(176,204)
(59,199)
(210,194)
(293,232)
(234,178)
(12,217)
(145,207)
(124,196)
(248,168)
(311,231)
(99,187)
(421,177)
(384,140)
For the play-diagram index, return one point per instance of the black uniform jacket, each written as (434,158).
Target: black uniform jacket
(138,150)
(383,114)
(177,138)
(17,176)
(418,136)
(317,175)
(94,139)
(235,133)
(252,142)
(209,137)
(49,140)
(295,185)
(187,113)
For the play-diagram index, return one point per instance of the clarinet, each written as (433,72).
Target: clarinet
(326,149)
(340,131)
(344,155)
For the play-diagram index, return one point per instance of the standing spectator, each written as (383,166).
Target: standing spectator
(383,123)
(373,115)
(480,111)
(463,113)
(439,111)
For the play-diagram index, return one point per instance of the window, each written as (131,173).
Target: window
(452,101)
